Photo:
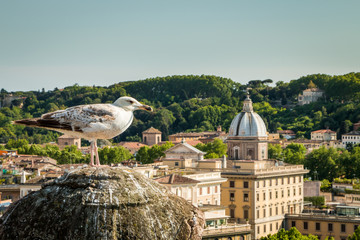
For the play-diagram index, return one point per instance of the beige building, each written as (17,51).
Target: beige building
(65,141)
(203,137)
(312,94)
(151,136)
(258,190)
(352,137)
(183,155)
(323,135)
(202,189)
(340,224)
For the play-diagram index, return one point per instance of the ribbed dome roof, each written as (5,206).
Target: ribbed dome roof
(247,123)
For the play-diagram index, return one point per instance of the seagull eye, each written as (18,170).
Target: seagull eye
(131,102)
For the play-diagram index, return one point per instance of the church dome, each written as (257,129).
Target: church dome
(247,123)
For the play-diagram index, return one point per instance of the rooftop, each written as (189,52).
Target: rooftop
(175,179)
(152,130)
(323,131)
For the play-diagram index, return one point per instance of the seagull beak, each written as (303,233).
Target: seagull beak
(146,108)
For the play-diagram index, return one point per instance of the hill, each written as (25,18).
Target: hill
(196,103)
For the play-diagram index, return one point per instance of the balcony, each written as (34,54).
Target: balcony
(227,229)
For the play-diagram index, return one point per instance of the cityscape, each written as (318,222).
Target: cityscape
(214,120)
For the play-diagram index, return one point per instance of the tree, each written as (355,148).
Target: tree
(355,235)
(214,149)
(13,144)
(275,151)
(147,155)
(294,153)
(324,163)
(291,234)
(110,155)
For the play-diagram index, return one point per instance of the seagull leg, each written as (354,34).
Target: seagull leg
(92,153)
(97,154)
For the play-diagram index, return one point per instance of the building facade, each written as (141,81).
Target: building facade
(66,141)
(258,190)
(151,136)
(323,135)
(352,137)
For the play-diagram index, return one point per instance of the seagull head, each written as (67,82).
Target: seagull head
(131,104)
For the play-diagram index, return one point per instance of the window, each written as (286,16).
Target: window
(330,227)
(246,197)
(232,184)
(282,181)
(200,191)
(277,181)
(306,227)
(317,226)
(294,193)
(257,213)
(270,212)
(293,224)
(257,197)
(264,196)
(282,209)
(270,182)
(299,190)
(232,213)
(277,226)
(257,184)
(270,227)
(264,228)
(270,195)
(343,228)
(176,164)
(216,189)
(258,229)
(246,184)
(232,196)
(208,190)
(282,193)
(264,183)
(246,213)
(264,212)
(276,194)
(288,192)
(276,210)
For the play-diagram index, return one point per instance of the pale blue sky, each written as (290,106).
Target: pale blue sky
(45,43)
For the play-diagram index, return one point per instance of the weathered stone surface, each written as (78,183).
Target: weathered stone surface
(102,203)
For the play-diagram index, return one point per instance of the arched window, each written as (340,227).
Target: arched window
(145,140)
(236,154)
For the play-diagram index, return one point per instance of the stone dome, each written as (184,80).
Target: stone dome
(247,123)
(102,203)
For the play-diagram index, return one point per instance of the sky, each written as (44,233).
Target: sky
(48,44)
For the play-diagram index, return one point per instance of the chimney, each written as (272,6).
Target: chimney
(23,177)
(224,162)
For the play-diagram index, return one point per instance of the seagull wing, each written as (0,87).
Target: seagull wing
(78,118)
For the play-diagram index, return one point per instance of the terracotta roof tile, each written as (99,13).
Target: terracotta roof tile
(151,130)
(175,179)
(323,131)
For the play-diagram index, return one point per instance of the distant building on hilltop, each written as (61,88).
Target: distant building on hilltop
(352,137)
(311,94)
(323,135)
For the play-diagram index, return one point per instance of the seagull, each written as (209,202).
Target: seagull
(91,122)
